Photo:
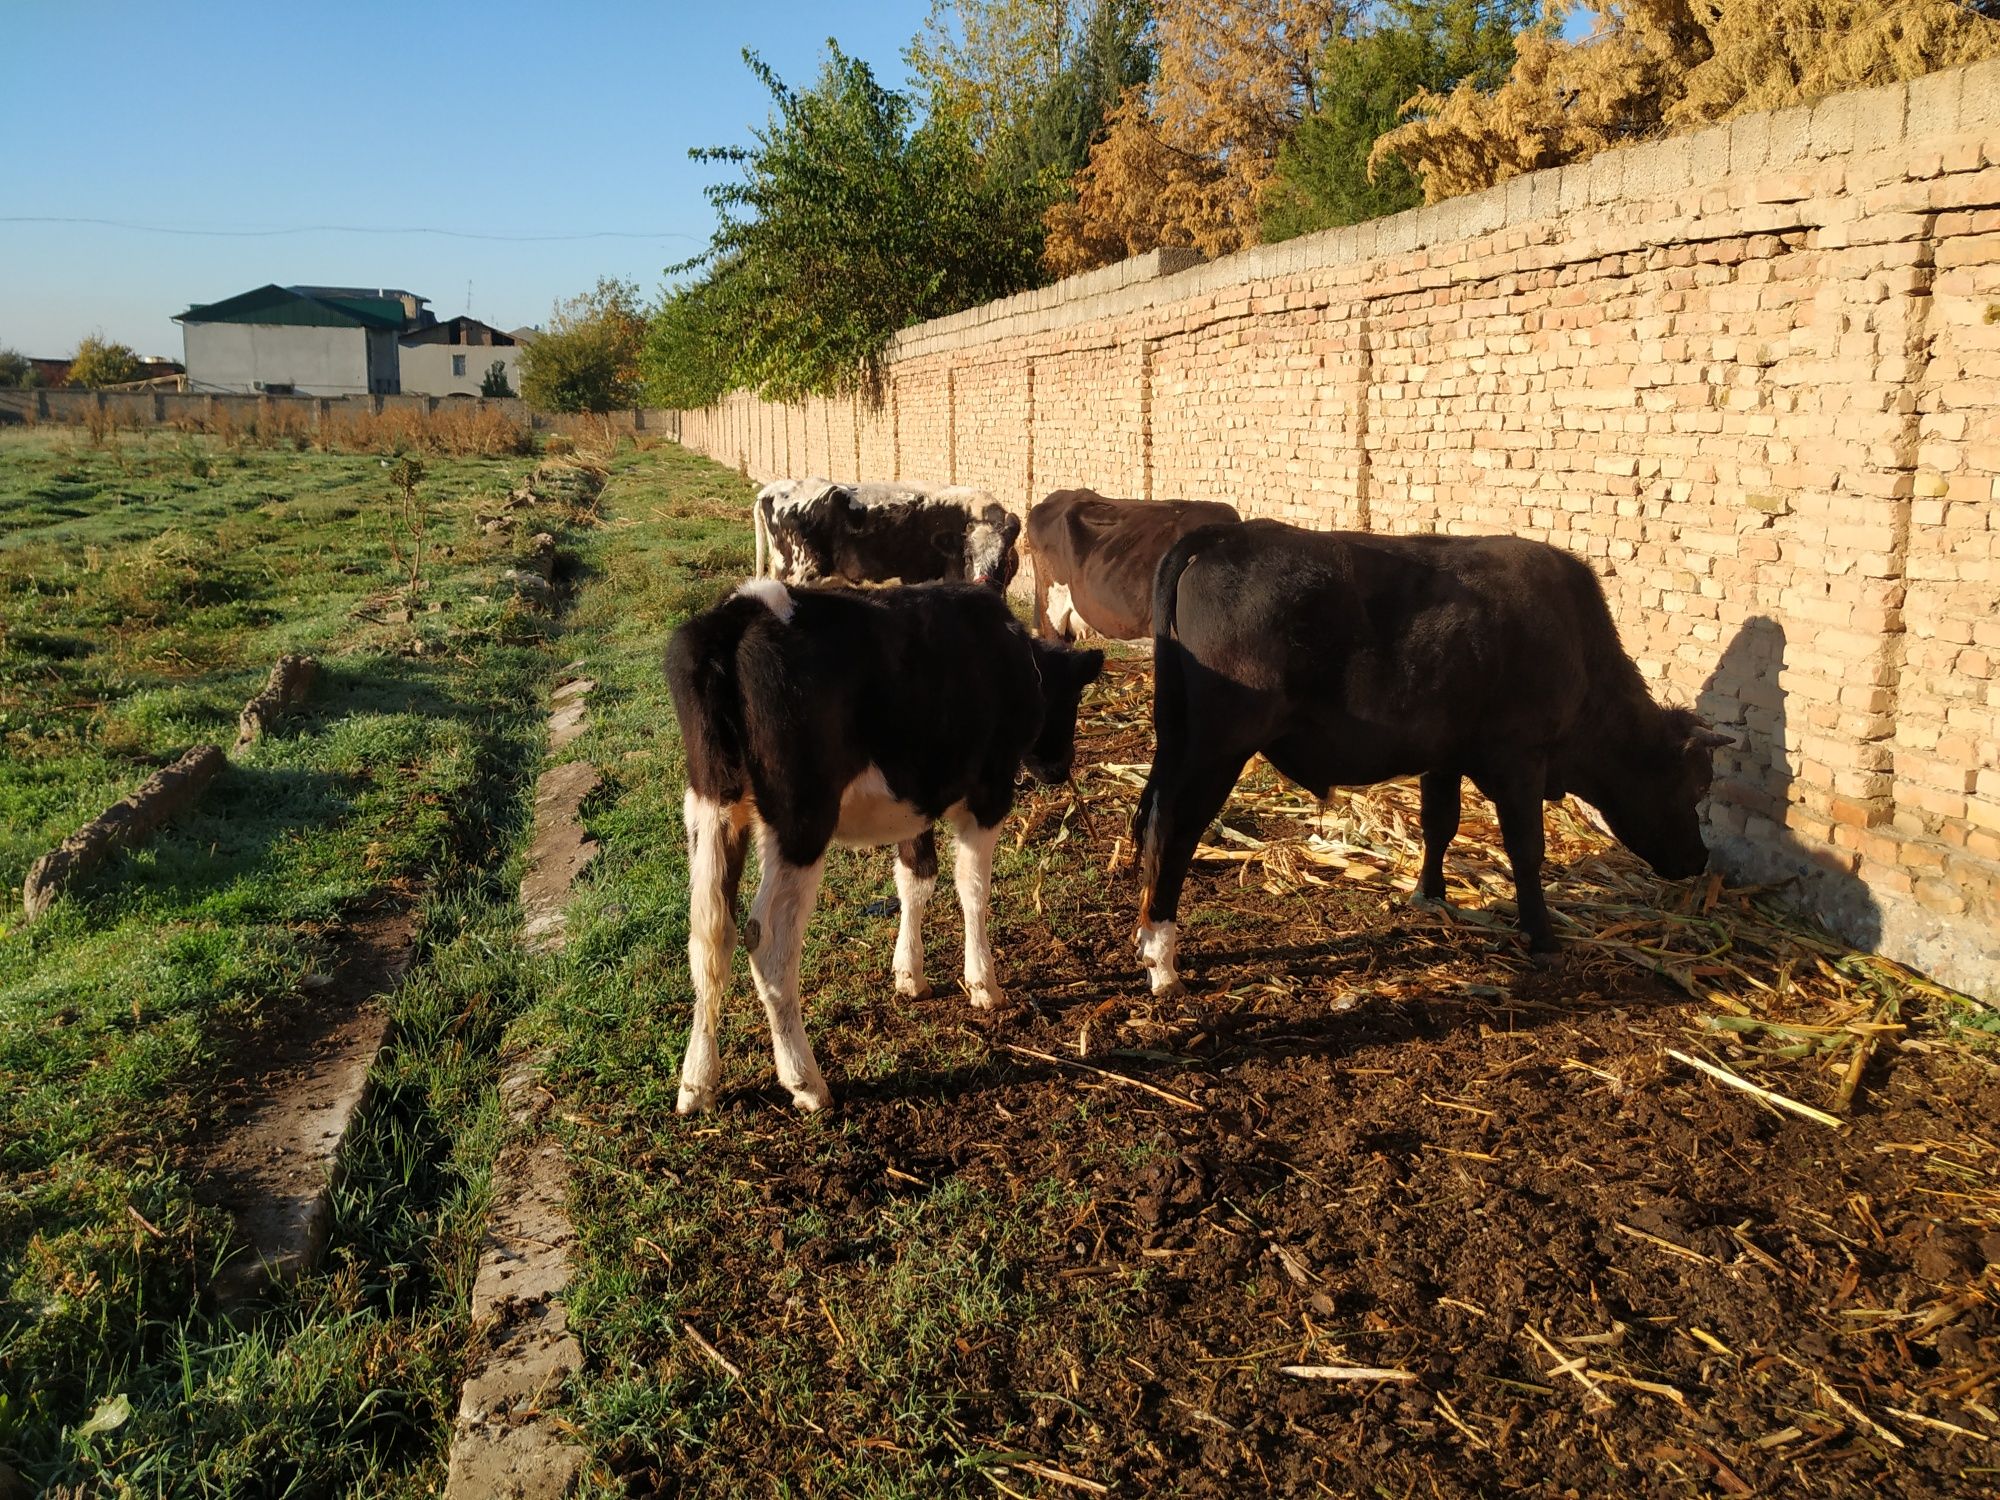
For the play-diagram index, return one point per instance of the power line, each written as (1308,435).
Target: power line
(455,234)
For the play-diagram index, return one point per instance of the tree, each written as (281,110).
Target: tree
(1654,66)
(1323,177)
(494,381)
(685,361)
(1032,81)
(1186,159)
(98,363)
(850,221)
(588,360)
(16,373)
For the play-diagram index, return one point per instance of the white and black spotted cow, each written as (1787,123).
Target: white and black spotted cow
(834,716)
(816,531)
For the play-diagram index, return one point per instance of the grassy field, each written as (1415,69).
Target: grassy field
(146,584)
(1057,1251)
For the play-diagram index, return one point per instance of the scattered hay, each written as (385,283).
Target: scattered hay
(1785,994)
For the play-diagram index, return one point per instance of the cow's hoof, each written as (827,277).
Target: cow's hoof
(693,1101)
(988,997)
(911,988)
(1428,903)
(1169,989)
(1545,958)
(813,1098)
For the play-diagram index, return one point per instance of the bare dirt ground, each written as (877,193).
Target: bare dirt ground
(276,1119)
(1376,1136)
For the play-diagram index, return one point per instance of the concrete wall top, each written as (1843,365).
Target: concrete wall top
(1619,182)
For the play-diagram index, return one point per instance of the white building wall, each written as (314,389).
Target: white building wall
(247,357)
(427,368)
(383,369)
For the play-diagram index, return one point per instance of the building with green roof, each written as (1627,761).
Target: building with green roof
(301,340)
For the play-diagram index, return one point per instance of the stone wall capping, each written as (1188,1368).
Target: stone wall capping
(1979,95)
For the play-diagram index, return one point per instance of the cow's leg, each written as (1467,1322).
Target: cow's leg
(776,938)
(1440,819)
(1042,626)
(1177,815)
(717,836)
(973,875)
(1517,797)
(916,878)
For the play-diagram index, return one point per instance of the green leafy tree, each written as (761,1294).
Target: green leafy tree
(685,361)
(494,381)
(850,221)
(1364,80)
(588,360)
(15,371)
(1033,81)
(98,363)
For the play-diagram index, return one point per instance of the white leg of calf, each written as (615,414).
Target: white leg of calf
(1157,942)
(711,943)
(973,874)
(785,896)
(913,894)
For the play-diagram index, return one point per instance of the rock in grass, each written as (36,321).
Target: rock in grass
(125,823)
(291,679)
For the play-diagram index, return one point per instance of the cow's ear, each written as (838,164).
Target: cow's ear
(1086,664)
(1010,529)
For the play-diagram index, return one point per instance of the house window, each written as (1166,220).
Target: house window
(458,364)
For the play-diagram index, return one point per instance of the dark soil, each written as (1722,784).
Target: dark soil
(1397,1145)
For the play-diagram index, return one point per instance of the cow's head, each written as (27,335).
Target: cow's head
(990,555)
(1652,798)
(1064,674)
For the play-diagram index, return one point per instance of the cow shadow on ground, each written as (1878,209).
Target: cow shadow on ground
(1745,696)
(1203,1044)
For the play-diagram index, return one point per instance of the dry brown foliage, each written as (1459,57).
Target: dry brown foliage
(1653,67)
(456,429)
(1183,161)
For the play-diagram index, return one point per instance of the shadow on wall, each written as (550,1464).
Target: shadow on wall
(1745,696)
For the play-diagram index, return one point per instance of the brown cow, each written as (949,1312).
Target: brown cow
(1095,559)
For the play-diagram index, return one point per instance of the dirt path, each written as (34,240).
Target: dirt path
(271,1151)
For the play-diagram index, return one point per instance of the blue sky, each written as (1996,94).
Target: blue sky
(500,117)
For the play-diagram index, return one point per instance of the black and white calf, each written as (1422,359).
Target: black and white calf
(816,531)
(828,716)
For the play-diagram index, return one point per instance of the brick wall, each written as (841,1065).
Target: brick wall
(1753,375)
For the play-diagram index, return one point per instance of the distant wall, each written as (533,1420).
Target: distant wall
(1753,375)
(198,411)
(427,367)
(240,357)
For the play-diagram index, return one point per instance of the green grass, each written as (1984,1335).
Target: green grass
(874,1318)
(145,588)
(922,1276)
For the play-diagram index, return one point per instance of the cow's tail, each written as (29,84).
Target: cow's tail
(761,524)
(702,677)
(1169,683)
(1169,670)
(711,914)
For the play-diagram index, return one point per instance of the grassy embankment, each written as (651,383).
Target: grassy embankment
(146,584)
